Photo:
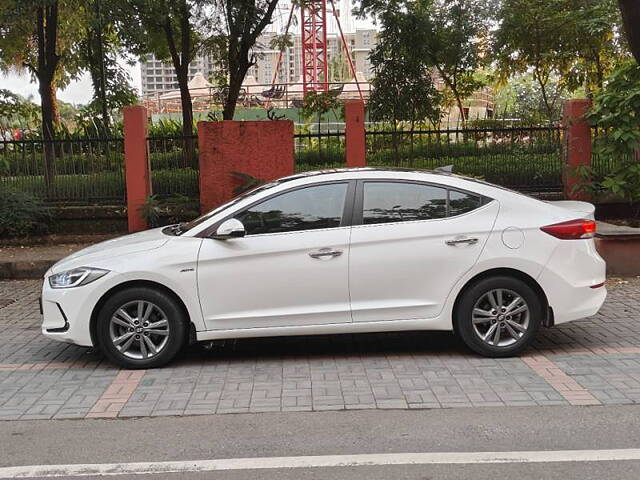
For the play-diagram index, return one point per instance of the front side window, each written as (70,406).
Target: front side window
(402,202)
(308,208)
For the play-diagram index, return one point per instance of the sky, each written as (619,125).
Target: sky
(80,91)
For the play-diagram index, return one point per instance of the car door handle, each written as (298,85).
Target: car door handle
(325,252)
(459,241)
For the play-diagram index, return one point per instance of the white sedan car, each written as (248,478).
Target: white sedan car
(340,251)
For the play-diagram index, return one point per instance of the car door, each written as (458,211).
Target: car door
(291,268)
(410,243)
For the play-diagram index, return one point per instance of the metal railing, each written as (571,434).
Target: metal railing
(319,150)
(174,165)
(83,171)
(525,158)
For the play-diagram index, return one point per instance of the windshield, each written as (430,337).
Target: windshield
(185,227)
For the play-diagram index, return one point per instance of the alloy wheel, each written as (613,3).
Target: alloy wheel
(500,317)
(139,329)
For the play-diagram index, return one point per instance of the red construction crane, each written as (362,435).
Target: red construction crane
(313,20)
(313,16)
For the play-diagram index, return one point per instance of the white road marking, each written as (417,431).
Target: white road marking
(359,460)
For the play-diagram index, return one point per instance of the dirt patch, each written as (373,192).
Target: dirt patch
(39,252)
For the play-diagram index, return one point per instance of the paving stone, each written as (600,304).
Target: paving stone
(591,361)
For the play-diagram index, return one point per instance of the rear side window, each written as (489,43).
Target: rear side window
(402,202)
(462,202)
(389,202)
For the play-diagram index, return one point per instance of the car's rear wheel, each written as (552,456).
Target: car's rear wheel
(498,316)
(141,328)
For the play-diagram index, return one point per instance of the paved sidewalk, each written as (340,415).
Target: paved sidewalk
(590,362)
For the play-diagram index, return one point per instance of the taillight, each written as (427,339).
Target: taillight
(572,230)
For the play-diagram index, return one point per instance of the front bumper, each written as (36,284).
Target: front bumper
(66,313)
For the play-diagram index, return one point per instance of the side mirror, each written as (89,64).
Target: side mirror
(231,228)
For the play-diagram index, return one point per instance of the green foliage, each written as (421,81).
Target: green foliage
(22,215)
(166,127)
(19,20)
(16,111)
(521,99)
(616,113)
(455,43)
(319,103)
(100,51)
(170,209)
(403,88)
(564,44)
(241,22)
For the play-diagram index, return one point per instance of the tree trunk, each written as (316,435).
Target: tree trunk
(181,59)
(631,18)
(545,97)
(47,101)
(187,114)
(46,34)
(235,85)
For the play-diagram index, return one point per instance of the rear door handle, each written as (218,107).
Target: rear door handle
(459,241)
(325,252)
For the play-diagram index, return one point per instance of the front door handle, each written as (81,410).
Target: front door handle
(459,241)
(325,252)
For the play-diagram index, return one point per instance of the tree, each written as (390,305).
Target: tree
(41,36)
(529,38)
(17,111)
(168,29)
(631,17)
(100,50)
(244,21)
(521,99)
(590,30)
(456,33)
(403,88)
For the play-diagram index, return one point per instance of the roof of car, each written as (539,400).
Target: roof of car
(313,173)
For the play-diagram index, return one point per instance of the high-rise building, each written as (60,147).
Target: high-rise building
(158,76)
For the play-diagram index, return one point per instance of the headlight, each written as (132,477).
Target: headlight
(76,277)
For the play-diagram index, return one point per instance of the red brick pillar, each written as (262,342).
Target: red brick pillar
(354,133)
(261,149)
(577,145)
(136,161)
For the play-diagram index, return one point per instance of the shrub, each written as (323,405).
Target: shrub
(158,210)
(22,215)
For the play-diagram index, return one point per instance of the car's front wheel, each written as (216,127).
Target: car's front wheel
(141,328)
(498,316)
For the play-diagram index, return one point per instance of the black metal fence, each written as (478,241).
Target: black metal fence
(91,171)
(174,165)
(320,149)
(527,159)
(83,171)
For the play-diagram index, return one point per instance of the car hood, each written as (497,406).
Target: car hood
(112,249)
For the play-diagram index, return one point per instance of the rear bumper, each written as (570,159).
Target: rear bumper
(573,269)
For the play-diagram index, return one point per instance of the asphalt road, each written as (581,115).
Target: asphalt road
(344,433)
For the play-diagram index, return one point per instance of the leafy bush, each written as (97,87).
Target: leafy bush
(169,210)
(22,215)
(616,111)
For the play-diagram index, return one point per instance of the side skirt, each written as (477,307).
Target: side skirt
(333,328)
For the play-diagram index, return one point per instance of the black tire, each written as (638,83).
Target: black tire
(463,316)
(175,316)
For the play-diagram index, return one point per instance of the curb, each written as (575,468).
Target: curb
(25,270)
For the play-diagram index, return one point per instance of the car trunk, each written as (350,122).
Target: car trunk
(582,209)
